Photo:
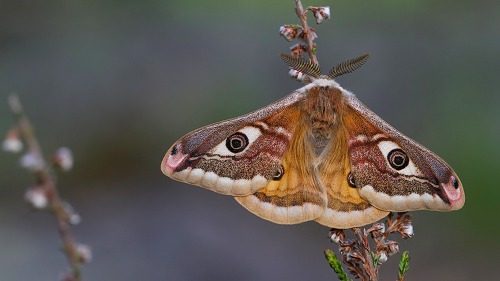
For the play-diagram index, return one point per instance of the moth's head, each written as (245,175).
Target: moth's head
(313,70)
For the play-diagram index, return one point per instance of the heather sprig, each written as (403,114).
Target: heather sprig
(44,195)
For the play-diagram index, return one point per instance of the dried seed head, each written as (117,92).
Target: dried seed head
(31,162)
(312,33)
(320,13)
(346,246)
(70,214)
(296,75)
(392,248)
(12,142)
(382,256)
(37,197)
(288,31)
(298,50)
(377,229)
(84,253)
(336,235)
(406,230)
(63,159)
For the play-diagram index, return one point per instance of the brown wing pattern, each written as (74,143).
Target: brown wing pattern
(294,196)
(393,172)
(345,207)
(318,154)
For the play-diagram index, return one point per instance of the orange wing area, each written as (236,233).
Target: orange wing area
(297,196)
(345,208)
(314,187)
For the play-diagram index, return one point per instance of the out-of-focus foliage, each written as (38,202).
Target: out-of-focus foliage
(119,81)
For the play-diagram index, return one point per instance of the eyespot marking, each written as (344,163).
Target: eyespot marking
(398,159)
(237,142)
(279,173)
(404,165)
(350,180)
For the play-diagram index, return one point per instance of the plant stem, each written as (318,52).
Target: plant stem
(370,269)
(306,30)
(45,179)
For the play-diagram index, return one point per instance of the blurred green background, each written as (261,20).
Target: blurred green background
(119,81)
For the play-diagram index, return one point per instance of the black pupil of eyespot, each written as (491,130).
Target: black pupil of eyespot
(455,183)
(398,159)
(237,142)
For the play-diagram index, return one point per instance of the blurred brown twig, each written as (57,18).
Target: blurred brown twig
(44,195)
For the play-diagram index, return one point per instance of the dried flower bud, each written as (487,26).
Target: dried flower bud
(392,248)
(70,214)
(382,257)
(320,13)
(75,219)
(346,246)
(406,230)
(31,162)
(84,253)
(37,197)
(377,229)
(312,34)
(336,235)
(12,142)
(288,31)
(63,159)
(296,75)
(298,50)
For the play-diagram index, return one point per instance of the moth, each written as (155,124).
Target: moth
(317,154)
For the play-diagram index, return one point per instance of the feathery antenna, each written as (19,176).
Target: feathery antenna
(348,66)
(302,65)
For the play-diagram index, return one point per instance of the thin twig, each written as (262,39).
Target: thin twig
(45,179)
(368,263)
(306,30)
(357,255)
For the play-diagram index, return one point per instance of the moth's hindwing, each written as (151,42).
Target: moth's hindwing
(345,208)
(294,195)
